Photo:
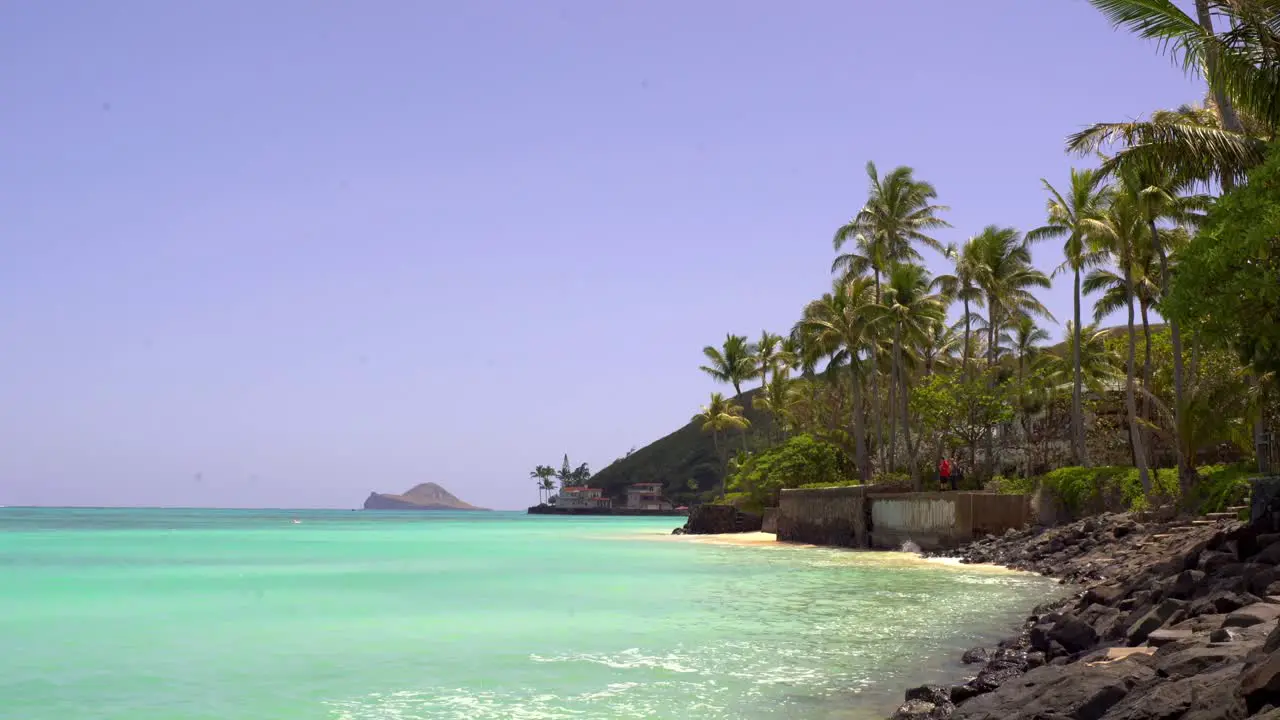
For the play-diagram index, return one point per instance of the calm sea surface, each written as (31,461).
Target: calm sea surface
(248,615)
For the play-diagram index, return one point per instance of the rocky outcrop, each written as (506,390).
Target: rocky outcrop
(427,496)
(1168,622)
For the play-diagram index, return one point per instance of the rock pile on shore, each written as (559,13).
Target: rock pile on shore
(1171,622)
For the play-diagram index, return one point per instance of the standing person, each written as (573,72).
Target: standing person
(957,476)
(944,474)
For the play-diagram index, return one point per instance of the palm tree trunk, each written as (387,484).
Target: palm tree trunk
(1140,455)
(967,373)
(1146,372)
(991,364)
(875,410)
(893,405)
(859,431)
(1260,446)
(914,467)
(1077,389)
(1186,473)
(724,462)
(1226,112)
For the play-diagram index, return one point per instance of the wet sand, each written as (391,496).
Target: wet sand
(873,557)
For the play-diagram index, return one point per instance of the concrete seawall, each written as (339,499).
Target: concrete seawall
(875,517)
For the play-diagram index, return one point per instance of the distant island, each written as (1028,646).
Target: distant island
(427,496)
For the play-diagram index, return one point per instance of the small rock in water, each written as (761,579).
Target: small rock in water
(910,547)
(975,655)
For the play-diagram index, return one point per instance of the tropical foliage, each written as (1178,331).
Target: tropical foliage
(921,349)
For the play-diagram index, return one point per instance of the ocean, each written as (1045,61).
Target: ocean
(157,614)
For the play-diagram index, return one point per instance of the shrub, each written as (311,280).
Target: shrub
(1222,486)
(1089,490)
(1011,485)
(800,460)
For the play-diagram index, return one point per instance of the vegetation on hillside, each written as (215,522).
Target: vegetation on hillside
(895,367)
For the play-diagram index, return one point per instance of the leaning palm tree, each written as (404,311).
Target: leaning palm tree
(841,324)
(1115,296)
(720,416)
(731,363)
(1242,69)
(910,310)
(1086,198)
(1120,231)
(1158,195)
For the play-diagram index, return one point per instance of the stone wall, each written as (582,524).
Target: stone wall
(717,519)
(827,516)
(769,523)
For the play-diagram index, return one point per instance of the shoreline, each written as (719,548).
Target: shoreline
(1158,621)
(760,539)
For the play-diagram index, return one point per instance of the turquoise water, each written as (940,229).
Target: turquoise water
(247,615)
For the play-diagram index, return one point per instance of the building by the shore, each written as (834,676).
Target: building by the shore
(646,496)
(582,497)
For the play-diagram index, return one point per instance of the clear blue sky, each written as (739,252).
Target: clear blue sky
(287,252)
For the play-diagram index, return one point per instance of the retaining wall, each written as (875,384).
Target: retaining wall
(874,517)
(943,519)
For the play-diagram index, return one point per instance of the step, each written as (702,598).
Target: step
(1237,508)
(1202,523)
(1221,516)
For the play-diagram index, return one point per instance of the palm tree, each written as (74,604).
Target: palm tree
(840,324)
(768,356)
(1023,339)
(1158,195)
(938,349)
(1086,197)
(1115,295)
(718,416)
(1242,69)
(899,211)
(962,285)
(1120,231)
(548,485)
(543,475)
(1099,366)
(775,399)
(1005,275)
(910,309)
(731,363)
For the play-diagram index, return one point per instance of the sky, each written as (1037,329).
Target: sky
(282,254)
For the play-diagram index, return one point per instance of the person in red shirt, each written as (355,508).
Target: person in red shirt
(944,474)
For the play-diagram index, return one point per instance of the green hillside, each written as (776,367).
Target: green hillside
(688,453)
